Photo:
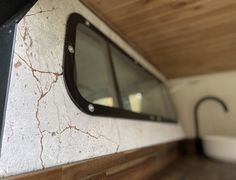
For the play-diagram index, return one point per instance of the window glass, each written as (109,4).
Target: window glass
(97,72)
(92,70)
(140,91)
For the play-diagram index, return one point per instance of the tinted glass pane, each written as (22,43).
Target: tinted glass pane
(140,91)
(92,71)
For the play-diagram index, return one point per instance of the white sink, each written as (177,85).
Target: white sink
(222,148)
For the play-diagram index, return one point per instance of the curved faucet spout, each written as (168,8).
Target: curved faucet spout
(221,102)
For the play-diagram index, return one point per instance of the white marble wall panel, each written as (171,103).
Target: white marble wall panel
(43,128)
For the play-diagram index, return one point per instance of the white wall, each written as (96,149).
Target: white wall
(43,128)
(213,120)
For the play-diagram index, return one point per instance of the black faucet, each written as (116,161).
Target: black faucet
(198,139)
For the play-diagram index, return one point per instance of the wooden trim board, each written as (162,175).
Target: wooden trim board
(135,164)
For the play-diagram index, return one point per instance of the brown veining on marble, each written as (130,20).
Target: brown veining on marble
(43,126)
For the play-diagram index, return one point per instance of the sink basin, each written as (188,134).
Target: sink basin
(222,148)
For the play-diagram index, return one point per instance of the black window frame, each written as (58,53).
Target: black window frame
(68,73)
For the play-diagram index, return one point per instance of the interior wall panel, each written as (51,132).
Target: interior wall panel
(43,127)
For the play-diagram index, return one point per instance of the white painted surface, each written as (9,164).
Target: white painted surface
(212,118)
(222,148)
(43,127)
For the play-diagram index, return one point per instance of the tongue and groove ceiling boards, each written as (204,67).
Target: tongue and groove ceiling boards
(179,37)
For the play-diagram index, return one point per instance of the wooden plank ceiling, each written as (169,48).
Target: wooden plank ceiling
(179,37)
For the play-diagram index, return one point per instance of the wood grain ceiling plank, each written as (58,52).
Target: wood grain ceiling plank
(187,27)
(167,14)
(175,36)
